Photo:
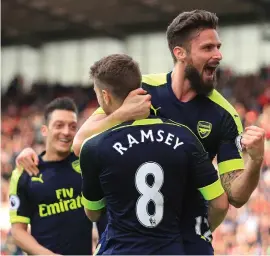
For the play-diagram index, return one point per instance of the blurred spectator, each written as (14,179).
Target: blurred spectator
(241,110)
(264,120)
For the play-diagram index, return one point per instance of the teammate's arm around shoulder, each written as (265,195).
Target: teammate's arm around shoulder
(208,183)
(20,216)
(92,194)
(28,161)
(136,106)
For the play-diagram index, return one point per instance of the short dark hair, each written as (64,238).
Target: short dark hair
(117,72)
(61,103)
(181,29)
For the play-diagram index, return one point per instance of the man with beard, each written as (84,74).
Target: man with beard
(187,95)
(138,171)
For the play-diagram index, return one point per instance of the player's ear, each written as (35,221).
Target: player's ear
(44,130)
(180,53)
(106,97)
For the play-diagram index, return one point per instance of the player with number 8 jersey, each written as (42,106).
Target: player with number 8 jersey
(144,194)
(139,171)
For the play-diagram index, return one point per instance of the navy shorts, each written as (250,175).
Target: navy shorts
(198,246)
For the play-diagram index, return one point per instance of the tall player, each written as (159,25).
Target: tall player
(187,95)
(139,170)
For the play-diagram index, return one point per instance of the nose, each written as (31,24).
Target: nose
(65,130)
(218,55)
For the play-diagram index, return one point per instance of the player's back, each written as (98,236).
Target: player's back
(145,166)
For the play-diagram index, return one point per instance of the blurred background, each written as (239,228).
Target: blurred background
(49,45)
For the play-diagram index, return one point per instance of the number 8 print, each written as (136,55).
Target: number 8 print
(149,193)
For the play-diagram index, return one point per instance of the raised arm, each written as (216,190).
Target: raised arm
(239,184)
(136,106)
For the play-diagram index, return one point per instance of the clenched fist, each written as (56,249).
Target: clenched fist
(253,142)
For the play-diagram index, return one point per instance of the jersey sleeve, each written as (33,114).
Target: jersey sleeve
(20,206)
(92,194)
(229,156)
(203,173)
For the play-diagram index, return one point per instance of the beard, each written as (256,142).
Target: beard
(197,83)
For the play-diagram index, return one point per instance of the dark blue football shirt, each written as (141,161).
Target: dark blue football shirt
(139,170)
(51,204)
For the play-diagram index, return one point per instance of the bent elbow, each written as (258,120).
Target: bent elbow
(237,204)
(224,204)
(221,204)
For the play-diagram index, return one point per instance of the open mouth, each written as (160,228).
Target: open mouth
(210,71)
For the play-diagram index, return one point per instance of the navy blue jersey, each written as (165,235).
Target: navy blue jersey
(139,171)
(51,203)
(216,124)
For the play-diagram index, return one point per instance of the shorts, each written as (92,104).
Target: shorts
(198,246)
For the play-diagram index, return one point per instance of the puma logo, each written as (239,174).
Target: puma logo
(38,179)
(155,110)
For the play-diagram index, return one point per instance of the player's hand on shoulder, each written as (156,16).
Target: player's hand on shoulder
(28,161)
(253,142)
(136,106)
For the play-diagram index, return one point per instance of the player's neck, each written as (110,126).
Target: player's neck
(116,104)
(181,86)
(52,156)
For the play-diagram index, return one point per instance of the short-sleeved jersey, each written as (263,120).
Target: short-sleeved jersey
(139,170)
(51,203)
(217,125)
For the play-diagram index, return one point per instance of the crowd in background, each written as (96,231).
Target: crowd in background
(245,230)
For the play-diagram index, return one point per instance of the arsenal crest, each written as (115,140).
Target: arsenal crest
(204,128)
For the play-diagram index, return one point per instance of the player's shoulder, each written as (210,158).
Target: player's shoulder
(225,105)
(154,79)
(184,131)
(92,143)
(18,178)
(19,174)
(227,109)
(164,124)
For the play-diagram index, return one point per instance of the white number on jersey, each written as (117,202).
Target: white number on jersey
(149,193)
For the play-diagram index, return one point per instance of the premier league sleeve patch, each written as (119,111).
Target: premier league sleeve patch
(238,143)
(14,201)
